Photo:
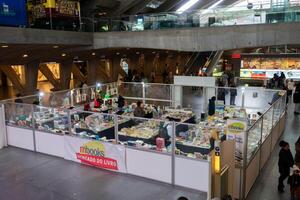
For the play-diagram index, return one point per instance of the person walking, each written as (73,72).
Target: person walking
(297,149)
(296,98)
(285,162)
(221,93)
(233,94)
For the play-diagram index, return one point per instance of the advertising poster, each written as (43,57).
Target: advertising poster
(95,153)
(13,12)
(235,131)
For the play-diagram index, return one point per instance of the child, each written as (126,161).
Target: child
(294,181)
(285,162)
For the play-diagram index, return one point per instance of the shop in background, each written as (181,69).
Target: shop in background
(266,66)
(54,14)
(13,12)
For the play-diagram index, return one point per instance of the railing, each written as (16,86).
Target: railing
(221,16)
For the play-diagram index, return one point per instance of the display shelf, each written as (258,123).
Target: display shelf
(254,139)
(267,124)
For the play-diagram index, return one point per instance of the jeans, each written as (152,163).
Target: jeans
(232,100)
(283,175)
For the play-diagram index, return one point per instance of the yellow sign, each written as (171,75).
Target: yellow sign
(93,148)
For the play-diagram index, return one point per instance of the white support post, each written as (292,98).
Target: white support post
(144,93)
(3,133)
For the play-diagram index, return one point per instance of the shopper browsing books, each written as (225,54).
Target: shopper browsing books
(139,110)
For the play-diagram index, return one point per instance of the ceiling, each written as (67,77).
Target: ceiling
(133,7)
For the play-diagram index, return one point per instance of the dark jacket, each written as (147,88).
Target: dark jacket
(211,107)
(221,94)
(139,112)
(233,92)
(297,96)
(297,155)
(286,160)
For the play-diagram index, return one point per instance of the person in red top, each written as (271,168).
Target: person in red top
(97,102)
(87,106)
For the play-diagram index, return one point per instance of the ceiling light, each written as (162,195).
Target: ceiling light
(55,46)
(187,5)
(25,56)
(93,54)
(41,94)
(118,53)
(4,46)
(63,54)
(212,6)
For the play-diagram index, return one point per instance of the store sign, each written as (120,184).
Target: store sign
(236,130)
(13,12)
(95,153)
(259,73)
(236,126)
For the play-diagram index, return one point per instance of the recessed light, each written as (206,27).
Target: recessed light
(4,46)
(93,54)
(25,56)
(55,46)
(63,54)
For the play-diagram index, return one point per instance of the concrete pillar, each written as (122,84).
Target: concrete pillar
(115,68)
(31,77)
(92,71)
(65,74)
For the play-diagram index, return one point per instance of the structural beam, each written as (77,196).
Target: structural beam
(13,77)
(31,76)
(49,75)
(65,74)
(78,74)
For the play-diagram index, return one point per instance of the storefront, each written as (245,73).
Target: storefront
(13,12)
(54,14)
(171,145)
(262,66)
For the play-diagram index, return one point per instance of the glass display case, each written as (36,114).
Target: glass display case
(19,115)
(98,126)
(143,133)
(52,120)
(267,123)
(254,139)
(194,140)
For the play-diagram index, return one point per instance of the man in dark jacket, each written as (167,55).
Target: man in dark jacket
(212,106)
(285,162)
(296,98)
(297,148)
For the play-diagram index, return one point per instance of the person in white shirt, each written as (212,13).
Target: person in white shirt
(290,88)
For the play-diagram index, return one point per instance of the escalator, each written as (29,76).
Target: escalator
(212,62)
(196,60)
(202,62)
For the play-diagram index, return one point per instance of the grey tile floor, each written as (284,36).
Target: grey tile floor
(265,187)
(26,175)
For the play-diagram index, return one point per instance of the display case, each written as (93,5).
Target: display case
(254,139)
(150,134)
(52,120)
(267,123)
(19,115)
(194,141)
(98,126)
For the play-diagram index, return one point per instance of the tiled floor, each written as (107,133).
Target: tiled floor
(26,175)
(265,187)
